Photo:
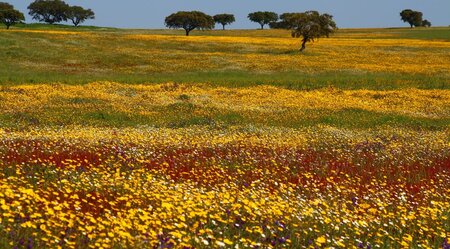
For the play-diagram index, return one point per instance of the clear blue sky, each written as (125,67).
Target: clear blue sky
(347,13)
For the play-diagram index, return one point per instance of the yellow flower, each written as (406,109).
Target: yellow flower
(321,240)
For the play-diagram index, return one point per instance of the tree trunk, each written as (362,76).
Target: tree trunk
(223,26)
(7,26)
(187,32)
(303,45)
(262,26)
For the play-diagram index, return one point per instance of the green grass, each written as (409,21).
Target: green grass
(440,33)
(29,58)
(42,26)
(290,80)
(434,33)
(185,114)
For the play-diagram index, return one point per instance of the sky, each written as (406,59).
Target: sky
(347,13)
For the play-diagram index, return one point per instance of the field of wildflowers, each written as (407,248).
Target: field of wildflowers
(208,164)
(236,187)
(182,105)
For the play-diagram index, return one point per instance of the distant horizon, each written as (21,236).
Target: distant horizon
(219,27)
(348,14)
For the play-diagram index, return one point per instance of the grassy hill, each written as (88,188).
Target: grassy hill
(350,59)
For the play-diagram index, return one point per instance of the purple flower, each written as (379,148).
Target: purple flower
(30,243)
(446,245)
(282,240)
(280,224)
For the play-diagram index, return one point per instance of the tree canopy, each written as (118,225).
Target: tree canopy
(190,20)
(309,25)
(54,11)
(49,11)
(283,23)
(426,23)
(78,14)
(5,6)
(263,17)
(10,16)
(224,19)
(414,18)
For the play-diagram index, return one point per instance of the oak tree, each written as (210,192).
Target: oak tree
(309,25)
(49,11)
(10,16)
(263,17)
(189,20)
(224,19)
(78,14)
(414,18)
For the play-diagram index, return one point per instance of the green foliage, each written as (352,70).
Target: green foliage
(224,19)
(189,20)
(49,11)
(263,17)
(55,11)
(426,23)
(9,16)
(309,25)
(5,6)
(78,14)
(414,18)
(283,23)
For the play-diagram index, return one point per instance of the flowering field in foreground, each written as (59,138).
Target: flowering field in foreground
(235,187)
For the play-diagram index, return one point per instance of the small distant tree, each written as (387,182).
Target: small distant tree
(189,20)
(78,14)
(309,25)
(49,11)
(9,16)
(414,18)
(426,23)
(263,17)
(224,19)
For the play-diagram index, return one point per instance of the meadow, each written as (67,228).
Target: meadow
(119,138)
